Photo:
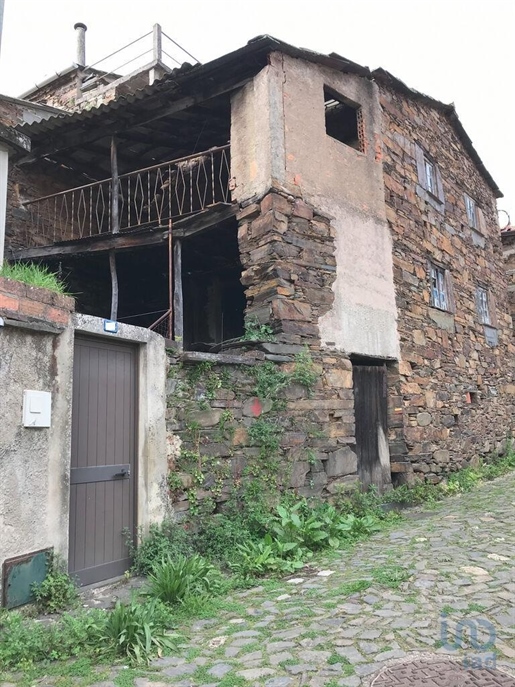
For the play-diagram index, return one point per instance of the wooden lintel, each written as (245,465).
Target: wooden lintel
(183,228)
(220,358)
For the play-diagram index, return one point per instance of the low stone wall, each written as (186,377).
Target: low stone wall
(286,425)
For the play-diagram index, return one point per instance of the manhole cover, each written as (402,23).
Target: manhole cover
(440,673)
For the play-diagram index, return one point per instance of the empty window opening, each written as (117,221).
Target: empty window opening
(439,290)
(343,120)
(214,298)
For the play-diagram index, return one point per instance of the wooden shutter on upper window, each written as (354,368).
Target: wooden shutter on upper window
(421,169)
(451,303)
(439,185)
(492,311)
(481,222)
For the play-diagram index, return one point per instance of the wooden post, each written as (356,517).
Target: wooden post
(115,227)
(178,323)
(115,189)
(114,285)
(157,54)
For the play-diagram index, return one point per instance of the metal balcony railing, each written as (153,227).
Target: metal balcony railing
(146,198)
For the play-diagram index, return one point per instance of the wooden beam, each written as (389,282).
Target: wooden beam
(115,228)
(95,127)
(183,228)
(178,313)
(200,357)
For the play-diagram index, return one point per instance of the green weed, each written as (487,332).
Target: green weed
(173,580)
(57,591)
(34,275)
(391,576)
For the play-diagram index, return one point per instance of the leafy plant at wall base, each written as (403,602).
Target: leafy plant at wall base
(57,591)
(162,541)
(136,631)
(171,581)
(262,557)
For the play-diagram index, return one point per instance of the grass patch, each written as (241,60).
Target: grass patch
(232,680)
(348,588)
(34,275)
(391,576)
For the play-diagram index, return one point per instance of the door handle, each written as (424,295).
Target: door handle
(123,473)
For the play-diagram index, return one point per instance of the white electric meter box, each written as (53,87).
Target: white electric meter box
(37,408)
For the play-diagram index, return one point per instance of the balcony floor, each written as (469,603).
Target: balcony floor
(132,238)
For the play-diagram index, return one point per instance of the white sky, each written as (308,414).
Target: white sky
(459,51)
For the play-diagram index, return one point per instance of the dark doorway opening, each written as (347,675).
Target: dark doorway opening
(371,416)
(214,298)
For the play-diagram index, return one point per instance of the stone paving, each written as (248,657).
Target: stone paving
(434,673)
(441,584)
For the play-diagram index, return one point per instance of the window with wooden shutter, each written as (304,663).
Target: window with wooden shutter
(485,306)
(482,305)
(471,209)
(442,294)
(430,185)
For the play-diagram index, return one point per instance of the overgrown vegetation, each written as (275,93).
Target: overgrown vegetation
(256,331)
(34,275)
(134,631)
(57,591)
(189,570)
(173,581)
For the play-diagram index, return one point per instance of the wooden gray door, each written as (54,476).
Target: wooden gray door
(370,409)
(103,459)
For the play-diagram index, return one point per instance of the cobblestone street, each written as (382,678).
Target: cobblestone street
(396,597)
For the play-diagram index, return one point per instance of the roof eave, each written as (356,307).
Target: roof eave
(383,76)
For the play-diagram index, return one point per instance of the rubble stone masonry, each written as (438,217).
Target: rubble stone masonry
(452,395)
(287,251)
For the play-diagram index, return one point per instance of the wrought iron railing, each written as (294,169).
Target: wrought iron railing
(146,197)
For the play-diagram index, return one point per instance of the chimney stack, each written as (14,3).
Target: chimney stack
(81,29)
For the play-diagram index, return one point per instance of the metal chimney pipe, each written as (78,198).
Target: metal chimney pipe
(81,29)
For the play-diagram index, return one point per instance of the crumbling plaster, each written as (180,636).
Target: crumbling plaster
(278,139)
(34,462)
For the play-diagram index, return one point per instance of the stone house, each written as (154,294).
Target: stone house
(328,214)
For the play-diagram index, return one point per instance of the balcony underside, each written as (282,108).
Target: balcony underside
(132,238)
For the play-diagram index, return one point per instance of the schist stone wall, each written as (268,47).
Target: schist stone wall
(452,395)
(287,251)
